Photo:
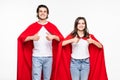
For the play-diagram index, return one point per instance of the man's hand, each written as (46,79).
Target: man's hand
(50,37)
(35,37)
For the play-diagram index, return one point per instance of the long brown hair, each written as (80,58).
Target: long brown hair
(74,32)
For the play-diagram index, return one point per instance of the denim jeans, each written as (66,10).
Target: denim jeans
(39,64)
(80,69)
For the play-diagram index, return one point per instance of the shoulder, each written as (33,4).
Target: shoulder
(69,36)
(50,23)
(33,25)
(91,35)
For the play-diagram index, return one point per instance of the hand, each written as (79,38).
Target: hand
(75,39)
(49,37)
(90,40)
(35,37)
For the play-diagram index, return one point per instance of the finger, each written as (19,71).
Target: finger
(36,34)
(47,33)
(47,37)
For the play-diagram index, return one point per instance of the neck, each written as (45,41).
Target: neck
(80,33)
(42,22)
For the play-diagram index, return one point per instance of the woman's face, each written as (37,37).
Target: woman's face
(81,25)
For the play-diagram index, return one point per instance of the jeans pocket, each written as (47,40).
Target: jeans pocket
(87,60)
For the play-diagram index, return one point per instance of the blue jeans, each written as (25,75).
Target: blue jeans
(39,64)
(80,69)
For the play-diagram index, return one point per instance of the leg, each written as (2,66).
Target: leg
(36,68)
(85,69)
(74,69)
(47,68)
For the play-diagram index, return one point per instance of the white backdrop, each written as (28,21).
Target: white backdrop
(102,17)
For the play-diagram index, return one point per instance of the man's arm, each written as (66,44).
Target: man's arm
(34,38)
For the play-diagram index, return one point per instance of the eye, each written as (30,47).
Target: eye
(40,10)
(83,23)
(45,11)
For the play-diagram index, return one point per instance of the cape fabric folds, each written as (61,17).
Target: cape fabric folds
(24,50)
(97,62)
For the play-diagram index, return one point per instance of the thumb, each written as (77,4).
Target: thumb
(36,34)
(47,33)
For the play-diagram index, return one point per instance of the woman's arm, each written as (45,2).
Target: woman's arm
(73,40)
(98,44)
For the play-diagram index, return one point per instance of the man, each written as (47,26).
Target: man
(37,48)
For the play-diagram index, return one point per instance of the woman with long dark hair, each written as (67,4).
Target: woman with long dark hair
(82,55)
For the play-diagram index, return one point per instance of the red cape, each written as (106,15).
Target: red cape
(24,56)
(97,62)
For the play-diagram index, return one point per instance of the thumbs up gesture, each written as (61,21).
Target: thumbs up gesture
(90,40)
(49,37)
(36,37)
(75,39)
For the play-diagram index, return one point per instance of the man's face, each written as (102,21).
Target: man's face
(42,13)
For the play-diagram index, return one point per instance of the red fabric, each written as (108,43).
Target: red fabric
(24,55)
(97,62)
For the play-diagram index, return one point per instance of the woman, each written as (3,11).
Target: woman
(82,55)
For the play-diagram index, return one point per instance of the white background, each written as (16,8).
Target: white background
(103,18)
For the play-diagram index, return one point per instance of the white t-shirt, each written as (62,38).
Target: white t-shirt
(80,49)
(42,47)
